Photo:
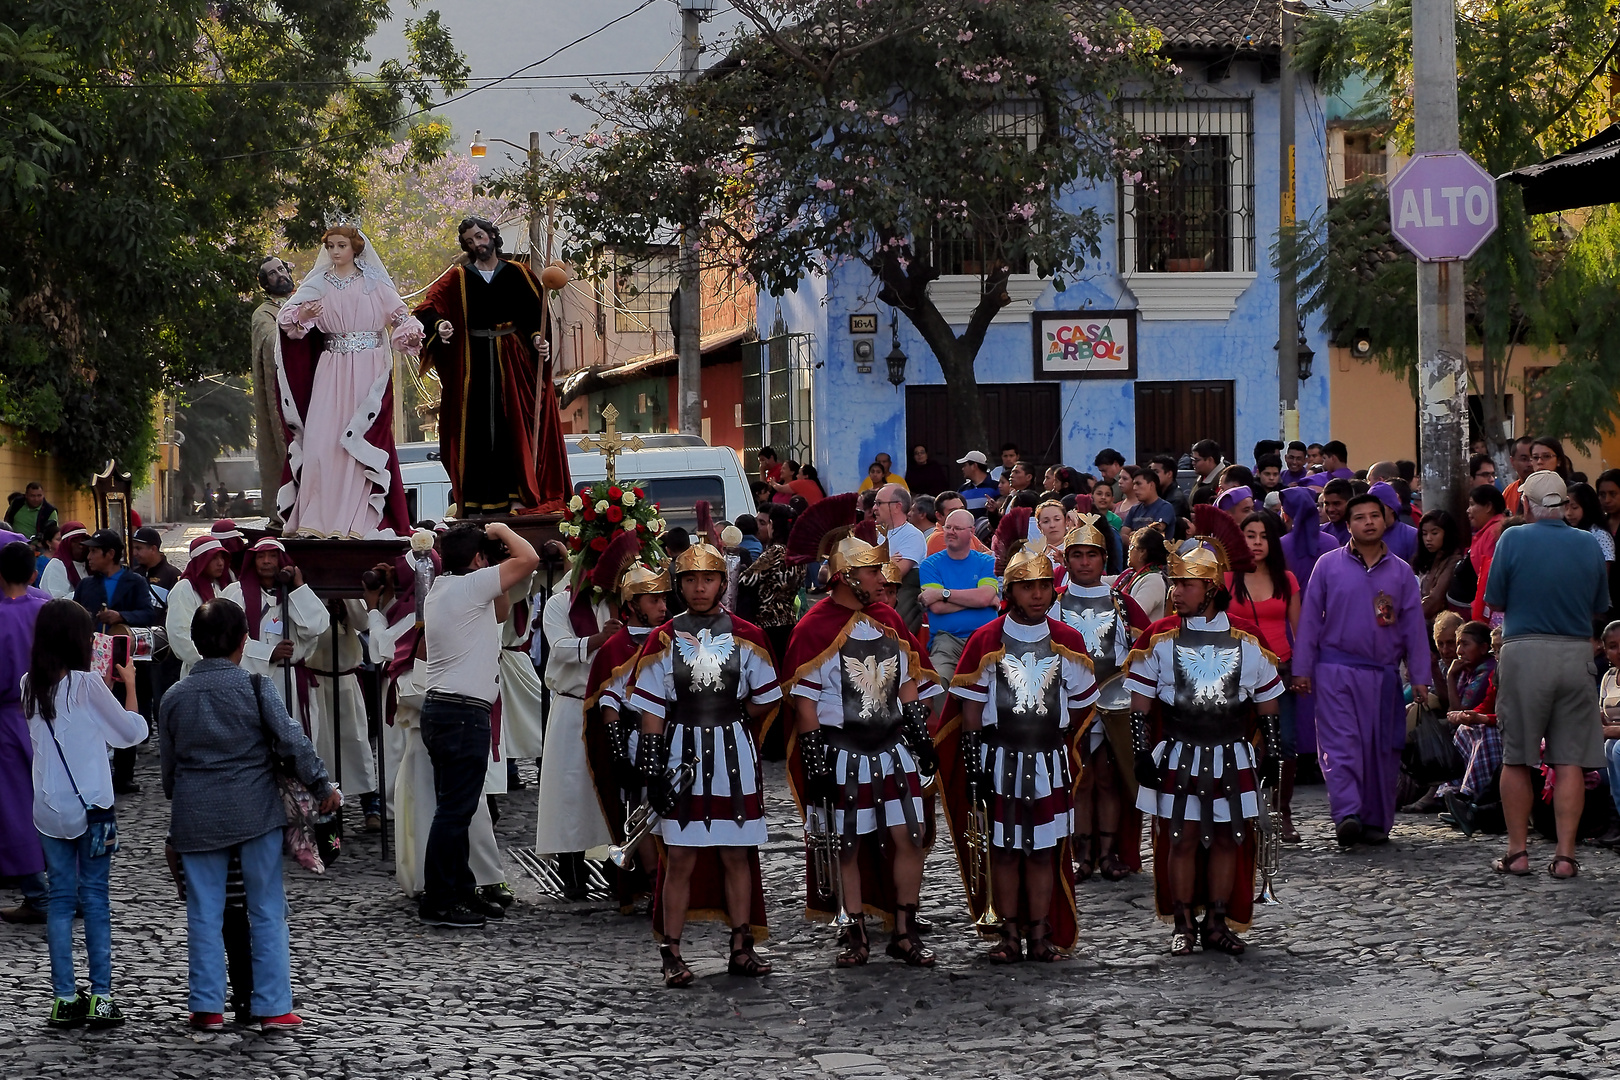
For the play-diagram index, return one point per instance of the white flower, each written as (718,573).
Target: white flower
(659,525)
(422,541)
(601,506)
(629,498)
(576,504)
(629,526)
(566,529)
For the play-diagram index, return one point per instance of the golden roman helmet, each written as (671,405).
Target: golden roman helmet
(700,557)
(891,572)
(1030,564)
(641,579)
(1085,534)
(1195,561)
(852,552)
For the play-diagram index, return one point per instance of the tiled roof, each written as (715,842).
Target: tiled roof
(1237,25)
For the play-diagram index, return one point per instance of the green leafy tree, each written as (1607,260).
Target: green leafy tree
(150,153)
(891,134)
(1527,86)
(214,415)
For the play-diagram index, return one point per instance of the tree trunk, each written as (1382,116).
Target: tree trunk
(1491,384)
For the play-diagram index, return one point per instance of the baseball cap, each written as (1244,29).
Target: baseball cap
(148,535)
(105,539)
(971,455)
(1544,489)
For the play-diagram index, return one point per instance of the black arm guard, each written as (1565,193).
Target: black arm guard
(652,756)
(817,763)
(915,732)
(972,744)
(1147,770)
(1271,734)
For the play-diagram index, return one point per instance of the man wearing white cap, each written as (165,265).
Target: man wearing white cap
(978,487)
(1551,581)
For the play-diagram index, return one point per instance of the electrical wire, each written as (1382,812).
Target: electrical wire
(489,81)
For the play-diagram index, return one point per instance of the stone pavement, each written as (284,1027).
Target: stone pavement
(1413,960)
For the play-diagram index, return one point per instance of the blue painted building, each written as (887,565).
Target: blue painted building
(1201,292)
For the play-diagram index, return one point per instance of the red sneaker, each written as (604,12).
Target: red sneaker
(207,1022)
(284,1022)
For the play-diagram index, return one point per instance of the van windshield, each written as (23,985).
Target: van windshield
(677,497)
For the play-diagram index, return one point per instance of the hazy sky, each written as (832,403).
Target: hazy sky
(500,36)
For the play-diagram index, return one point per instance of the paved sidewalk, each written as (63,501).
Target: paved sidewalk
(1413,960)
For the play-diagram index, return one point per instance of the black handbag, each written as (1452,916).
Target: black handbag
(1431,757)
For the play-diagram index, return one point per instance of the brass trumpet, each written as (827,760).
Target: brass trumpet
(639,823)
(1269,854)
(978,863)
(825,847)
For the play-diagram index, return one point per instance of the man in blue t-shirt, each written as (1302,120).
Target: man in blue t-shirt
(960,591)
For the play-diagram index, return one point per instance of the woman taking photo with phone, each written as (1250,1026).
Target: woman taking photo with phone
(73,720)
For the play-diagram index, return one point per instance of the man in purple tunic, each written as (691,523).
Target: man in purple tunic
(21,857)
(1360,617)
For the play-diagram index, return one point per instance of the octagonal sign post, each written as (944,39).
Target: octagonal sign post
(1442,206)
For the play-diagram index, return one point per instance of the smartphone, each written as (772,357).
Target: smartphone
(120,650)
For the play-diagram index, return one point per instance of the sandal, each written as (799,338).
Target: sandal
(744,961)
(1552,867)
(1111,866)
(1083,866)
(1505,865)
(1217,935)
(905,945)
(1041,948)
(856,945)
(1185,937)
(1010,950)
(676,973)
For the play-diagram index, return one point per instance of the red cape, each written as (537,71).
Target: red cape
(616,656)
(822,631)
(982,649)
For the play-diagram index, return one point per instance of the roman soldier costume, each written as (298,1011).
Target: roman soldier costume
(1194,763)
(860,772)
(1017,768)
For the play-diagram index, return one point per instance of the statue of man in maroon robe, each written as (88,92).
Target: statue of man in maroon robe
(483,319)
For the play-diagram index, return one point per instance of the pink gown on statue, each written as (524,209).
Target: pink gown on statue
(341,479)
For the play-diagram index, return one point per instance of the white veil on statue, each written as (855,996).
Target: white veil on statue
(368,262)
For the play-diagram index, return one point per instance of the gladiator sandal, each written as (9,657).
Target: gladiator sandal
(744,961)
(1083,866)
(1111,866)
(1219,936)
(856,946)
(905,944)
(676,973)
(1185,937)
(1041,948)
(1010,950)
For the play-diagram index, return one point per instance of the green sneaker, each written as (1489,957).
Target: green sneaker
(69,1012)
(104,1013)
(500,893)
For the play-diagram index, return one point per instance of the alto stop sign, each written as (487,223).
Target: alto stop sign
(1442,205)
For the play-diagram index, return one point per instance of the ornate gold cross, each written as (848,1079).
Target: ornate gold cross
(610,444)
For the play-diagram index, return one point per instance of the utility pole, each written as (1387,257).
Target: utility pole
(688,343)
(1287,286)
(1442,355)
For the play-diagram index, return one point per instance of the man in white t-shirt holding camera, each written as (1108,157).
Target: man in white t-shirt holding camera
(462,621)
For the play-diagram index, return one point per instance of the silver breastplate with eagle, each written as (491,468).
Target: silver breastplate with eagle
(1097,620)
(708,669)
(869,674)
(1209,674)
(1029,697)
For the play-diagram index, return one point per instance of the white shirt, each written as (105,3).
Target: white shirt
(617,689)
(906,542)
(88,720)
(568,665)
(54,579)
(463,638)
(310,622)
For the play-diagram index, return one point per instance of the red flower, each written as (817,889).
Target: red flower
(599,544)
(589,512)
(576,543)
(615,493)
(615,514)
(639,494)
(641,527)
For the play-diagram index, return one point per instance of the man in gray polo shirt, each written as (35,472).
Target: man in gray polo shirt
(1550,581)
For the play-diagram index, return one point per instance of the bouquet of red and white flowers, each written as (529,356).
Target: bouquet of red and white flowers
(601,511)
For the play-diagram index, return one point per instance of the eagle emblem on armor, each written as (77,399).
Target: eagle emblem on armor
(705,655)
(874,678)
(1090,622)
(1208,668)
(1030,676)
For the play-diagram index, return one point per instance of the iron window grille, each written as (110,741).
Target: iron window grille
(778,404)
(1193,210)
(973,254)
(641,295)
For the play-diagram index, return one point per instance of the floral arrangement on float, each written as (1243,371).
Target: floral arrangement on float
(600,512)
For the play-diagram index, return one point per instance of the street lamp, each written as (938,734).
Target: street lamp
(896,358)
(1306,356)
(478,147)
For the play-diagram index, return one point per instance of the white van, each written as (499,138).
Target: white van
(676,471)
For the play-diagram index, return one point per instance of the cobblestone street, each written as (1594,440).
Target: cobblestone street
(1412,960)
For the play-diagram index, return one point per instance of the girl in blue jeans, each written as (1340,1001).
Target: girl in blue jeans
(73,718)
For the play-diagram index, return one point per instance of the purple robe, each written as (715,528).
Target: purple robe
(1304,544)
(20,852)
(1321,479)
(1338,533)
(1402,539)
(1353,664)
